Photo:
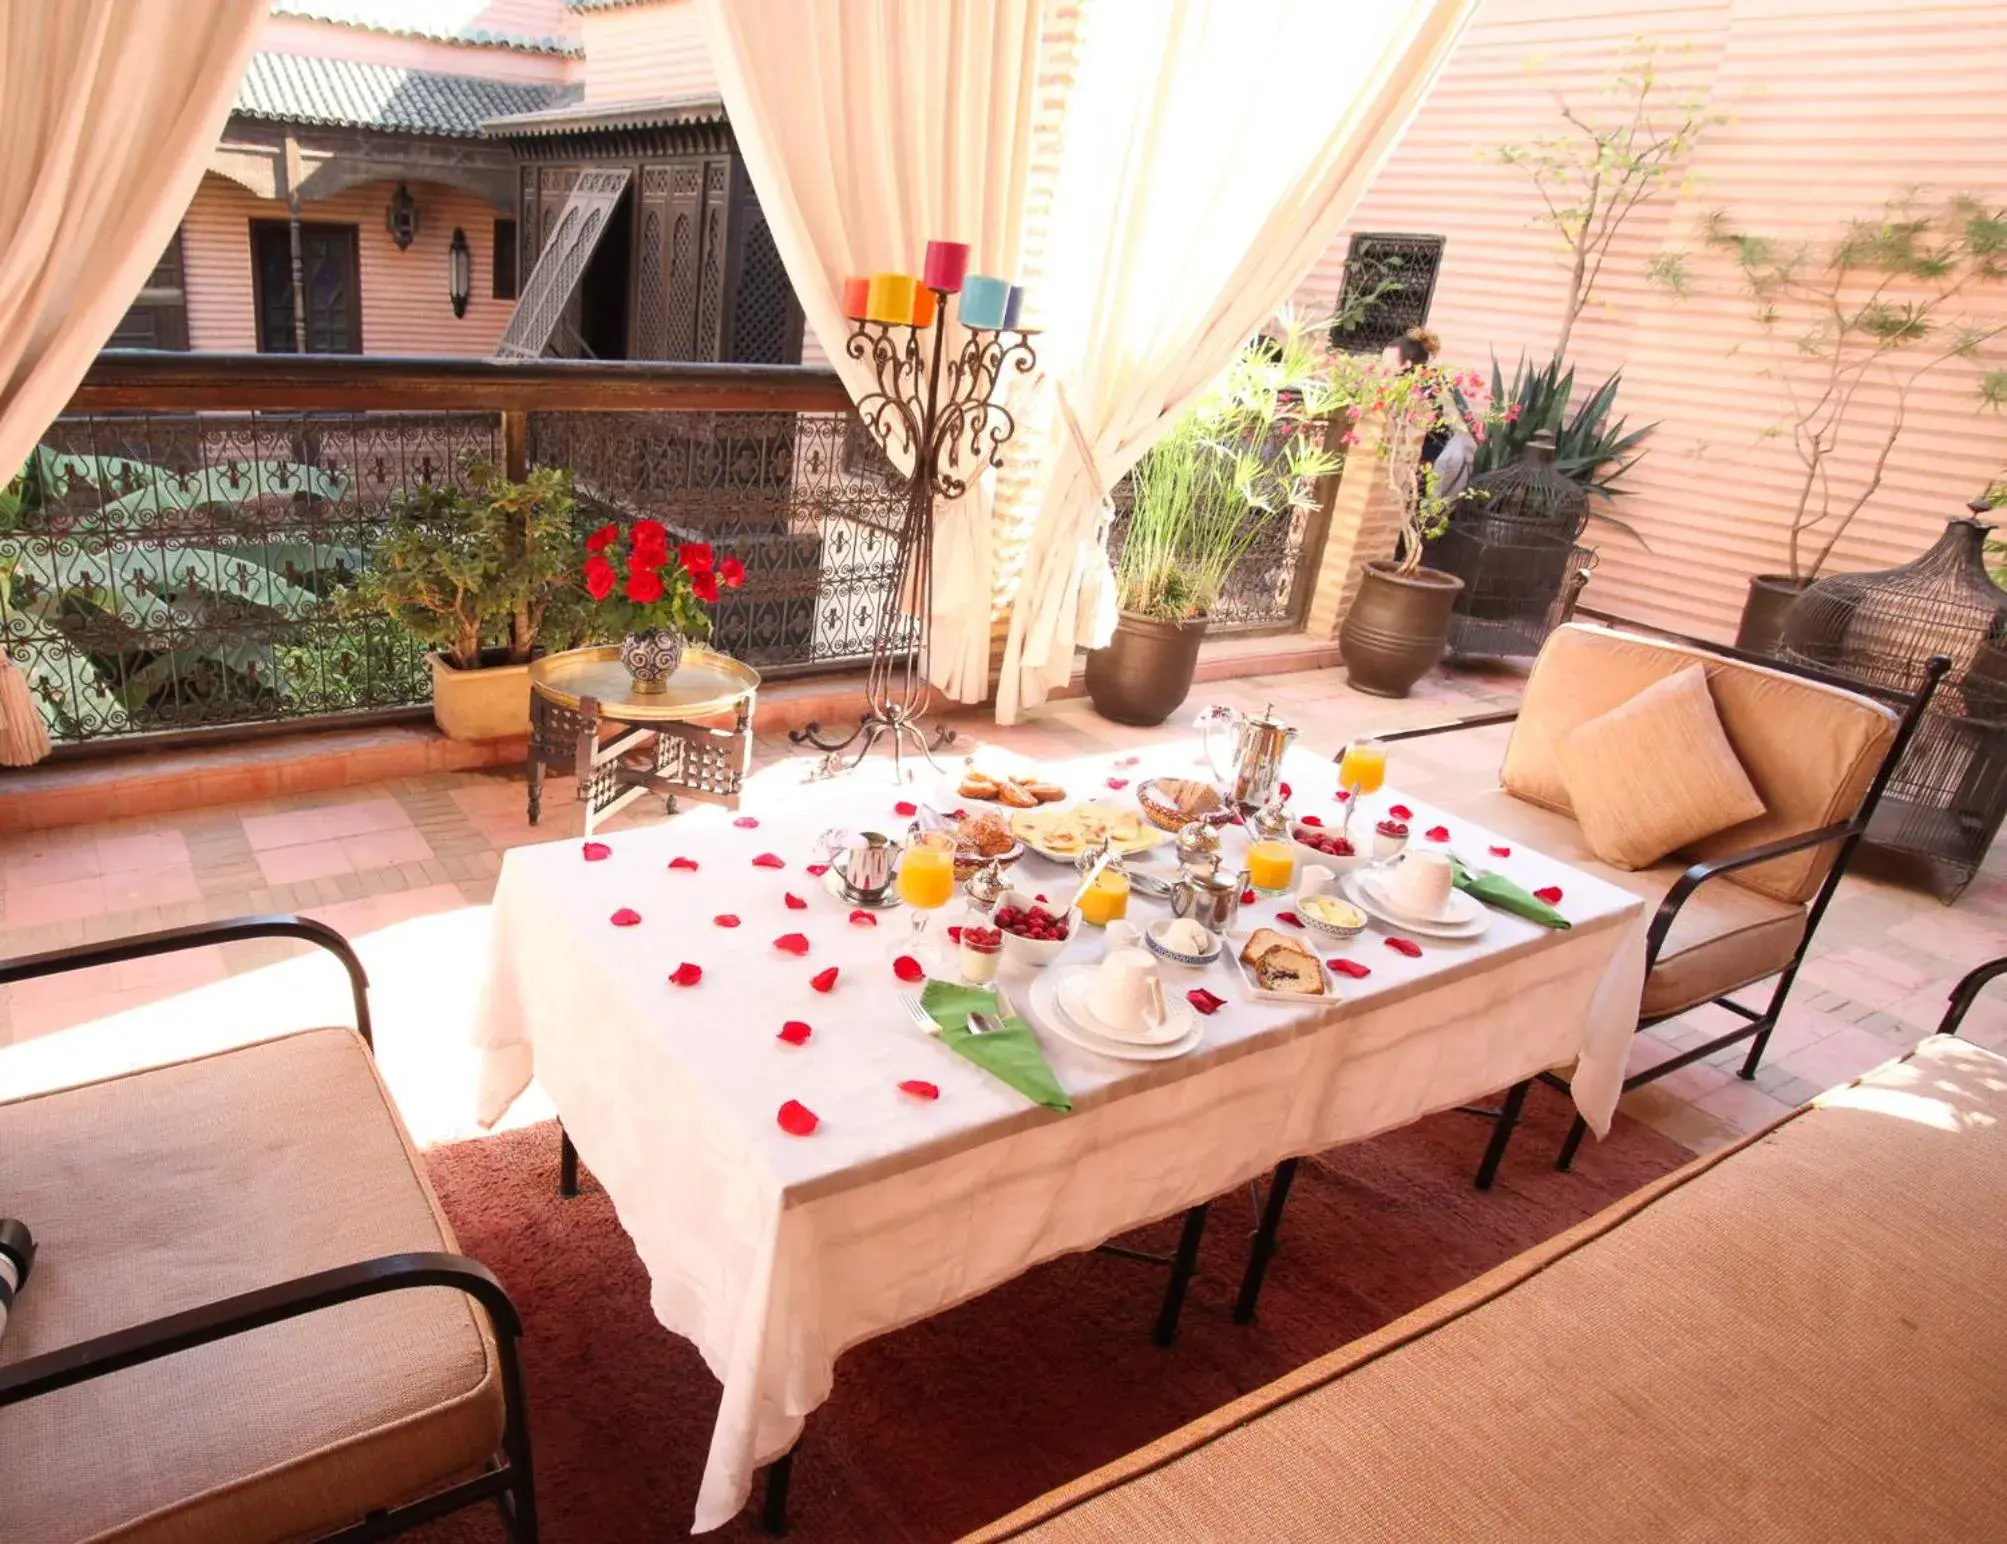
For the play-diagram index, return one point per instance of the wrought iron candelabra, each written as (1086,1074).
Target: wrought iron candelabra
(940,410)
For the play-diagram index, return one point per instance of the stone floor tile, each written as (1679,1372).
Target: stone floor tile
(289,863)
(1743,1105)
(385,848)
(1873,977)
(1844,1054)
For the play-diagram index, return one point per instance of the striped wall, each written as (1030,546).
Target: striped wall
(405,309)
(647,53)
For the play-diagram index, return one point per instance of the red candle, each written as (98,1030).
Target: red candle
(856,293)
(923,307)
(947,262)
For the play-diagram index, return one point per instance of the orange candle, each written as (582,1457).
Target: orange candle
(856,297)
(890,298)
(923,307)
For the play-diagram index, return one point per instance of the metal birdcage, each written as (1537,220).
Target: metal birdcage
(1512,540)
(1949,793)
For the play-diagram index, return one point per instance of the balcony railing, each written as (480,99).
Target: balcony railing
(192,519)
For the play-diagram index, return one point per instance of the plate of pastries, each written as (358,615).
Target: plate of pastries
(1014,790)
(1063,834)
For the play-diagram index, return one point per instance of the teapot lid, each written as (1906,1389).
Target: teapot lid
(1266,718)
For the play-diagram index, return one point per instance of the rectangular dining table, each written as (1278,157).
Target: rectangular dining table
(773,1253)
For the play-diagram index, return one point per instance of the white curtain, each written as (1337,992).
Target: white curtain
(870,127)
(1211,153)
(109,110)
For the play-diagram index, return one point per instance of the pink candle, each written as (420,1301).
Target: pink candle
(947,262)
(856,296)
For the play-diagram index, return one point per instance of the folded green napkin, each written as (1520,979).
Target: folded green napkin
(1011,1053)
(1497,890)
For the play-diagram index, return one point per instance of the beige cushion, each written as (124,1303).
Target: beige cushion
(1810,750)
(1724,937)
(1655,773)
(1800,1338)
(173,1187)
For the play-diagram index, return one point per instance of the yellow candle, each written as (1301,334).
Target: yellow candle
(890,298)
(1270,866)
(1107,899)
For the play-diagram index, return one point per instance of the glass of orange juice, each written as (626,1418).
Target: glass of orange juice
(1361,770)
(926,884)
(1270,866)
(1107,899)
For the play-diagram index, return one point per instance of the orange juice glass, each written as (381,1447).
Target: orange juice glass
(1270,867)
(1364,768)
(1107,899)
(926,877)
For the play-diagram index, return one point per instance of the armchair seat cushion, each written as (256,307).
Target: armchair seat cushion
(174,1187)
(1725,936)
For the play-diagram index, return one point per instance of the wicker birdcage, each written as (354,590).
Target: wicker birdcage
(1512,540)
(1949,792)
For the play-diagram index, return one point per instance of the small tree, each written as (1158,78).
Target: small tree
(1613,159)
(1853,324)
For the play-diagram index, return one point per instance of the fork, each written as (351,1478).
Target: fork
(917,1011)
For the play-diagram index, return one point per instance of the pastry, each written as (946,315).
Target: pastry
(1046,793)
(1260,942)
(1192,797)
(1289,969)
(976,786)
(987,832)
(1017,796)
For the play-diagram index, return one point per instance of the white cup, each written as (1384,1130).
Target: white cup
(1122,934)
(1315,879)
(1127,993)
(1422,882)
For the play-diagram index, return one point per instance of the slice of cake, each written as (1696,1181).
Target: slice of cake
(1289,969)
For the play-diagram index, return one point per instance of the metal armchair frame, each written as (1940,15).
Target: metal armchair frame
(1756,1025)
(510,1484)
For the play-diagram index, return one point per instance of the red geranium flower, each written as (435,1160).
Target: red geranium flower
(733,572)
(643,585)
(602,538)
(704,585)
(650,538)
(695,556)
(599,578)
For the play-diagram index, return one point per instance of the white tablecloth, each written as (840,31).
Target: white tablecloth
(775,1253)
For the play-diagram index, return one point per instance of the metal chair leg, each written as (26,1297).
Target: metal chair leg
(567,1163)
(773,1506)
(1501,1134)
(1183,1265)
(1261,1249)
(1576,1132)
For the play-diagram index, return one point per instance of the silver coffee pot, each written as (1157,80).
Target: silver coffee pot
(1259,743)
(1210,899)
(863,860)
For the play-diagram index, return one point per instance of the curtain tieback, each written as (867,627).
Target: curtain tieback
(1083,447)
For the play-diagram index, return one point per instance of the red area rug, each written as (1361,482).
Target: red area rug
(944,1426)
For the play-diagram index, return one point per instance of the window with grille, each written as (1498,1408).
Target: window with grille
(504,250)
(159,317)
(1389,281)
(330,281)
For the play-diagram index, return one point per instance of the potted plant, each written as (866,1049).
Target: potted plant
(1250,453)
(653,599)
(473,570)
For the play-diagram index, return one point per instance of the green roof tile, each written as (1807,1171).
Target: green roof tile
(294,88)
(404,19)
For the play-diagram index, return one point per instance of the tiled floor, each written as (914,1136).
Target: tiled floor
(407,867)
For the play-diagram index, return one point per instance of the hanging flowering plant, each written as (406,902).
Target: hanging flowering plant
(639,584)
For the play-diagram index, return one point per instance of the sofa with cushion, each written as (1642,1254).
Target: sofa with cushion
(247,1319)
(1801,1337)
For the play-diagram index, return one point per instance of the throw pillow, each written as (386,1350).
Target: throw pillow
(1655,773)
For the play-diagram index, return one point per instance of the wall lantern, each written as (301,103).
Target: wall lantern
(459,271)
(401,219)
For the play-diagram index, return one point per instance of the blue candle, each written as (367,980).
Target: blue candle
(983,301)
(1014,307)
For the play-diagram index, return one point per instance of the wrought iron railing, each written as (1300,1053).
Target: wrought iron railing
(191,521)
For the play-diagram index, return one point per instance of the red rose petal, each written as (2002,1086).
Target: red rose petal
(1343,796)
(794,902)
(1283,789)
(1311,820)
(1551,894)
(794,1032)
(1247,897)
(824,980)
(792,943)
(1437,833)
(1350,968)
(687,974)
(919,1090)
(1399,812)
(818,869)
(1501,852)
(1290,918)
(906,968)
(596,852)
(797,1119)
(1038,897)
(726,919)
(746,822)
(684,863)
(863,919)
(1204,1001)
(627,916)
(905,809)
(1405,946)
(958,814)
(768,860)
(1118,782)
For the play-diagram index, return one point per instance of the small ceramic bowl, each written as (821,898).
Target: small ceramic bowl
(1331,929)
(1154,941)
(1035,952)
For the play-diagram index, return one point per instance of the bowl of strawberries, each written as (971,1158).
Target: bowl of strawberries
(1033,933)
(1327,847)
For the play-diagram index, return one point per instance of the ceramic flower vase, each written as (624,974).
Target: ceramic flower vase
(651,657)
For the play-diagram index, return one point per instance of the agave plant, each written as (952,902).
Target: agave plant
(1592,450)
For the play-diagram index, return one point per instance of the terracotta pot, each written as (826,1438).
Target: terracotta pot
(1146,670)
(1770,597)
(651,657)
(491,703)
(1397,628)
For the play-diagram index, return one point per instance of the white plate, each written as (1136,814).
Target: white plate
(1238,941)
(1072,987)
(1045,999)
(1471,917)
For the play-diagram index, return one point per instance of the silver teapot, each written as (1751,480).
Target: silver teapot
(863,861)
(1259,743)
(1210,899)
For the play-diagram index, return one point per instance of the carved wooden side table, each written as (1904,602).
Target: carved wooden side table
(658,742)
